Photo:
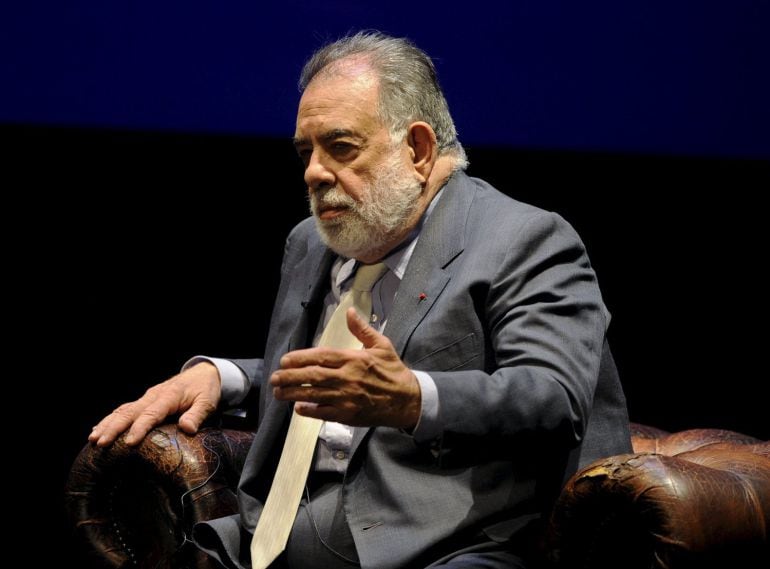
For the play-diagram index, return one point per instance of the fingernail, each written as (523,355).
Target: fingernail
(129,439)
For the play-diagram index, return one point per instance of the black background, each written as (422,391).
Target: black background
(128,252)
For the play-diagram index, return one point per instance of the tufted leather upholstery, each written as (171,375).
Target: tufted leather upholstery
(697,498)
(134,507)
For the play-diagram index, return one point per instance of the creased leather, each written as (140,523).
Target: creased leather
(696,498)
(134,507)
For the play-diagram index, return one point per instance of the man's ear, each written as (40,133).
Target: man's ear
(423,148)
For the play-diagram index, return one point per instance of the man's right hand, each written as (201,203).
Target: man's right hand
(194,394)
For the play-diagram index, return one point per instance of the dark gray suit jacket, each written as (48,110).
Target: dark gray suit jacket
(500,305)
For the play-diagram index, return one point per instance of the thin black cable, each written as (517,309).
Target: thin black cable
(318,534)
(185,539)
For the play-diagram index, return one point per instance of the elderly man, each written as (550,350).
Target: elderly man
(437,350)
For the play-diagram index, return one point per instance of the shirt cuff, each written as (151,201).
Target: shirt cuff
(427,426)
(234,383)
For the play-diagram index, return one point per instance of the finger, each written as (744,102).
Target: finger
(105,434)
(326,357)
(97,430)
(192,419)
(113,425)
(317,376)
(150,417)
(368,336)
(322,412)
(308,395)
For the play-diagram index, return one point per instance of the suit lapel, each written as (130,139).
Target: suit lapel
(440,241)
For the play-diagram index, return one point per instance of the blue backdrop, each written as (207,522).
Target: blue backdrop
(689,77)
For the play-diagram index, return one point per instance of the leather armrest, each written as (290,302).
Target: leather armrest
(701,500)
(134,507)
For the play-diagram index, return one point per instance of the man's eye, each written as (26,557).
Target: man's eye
(342,147)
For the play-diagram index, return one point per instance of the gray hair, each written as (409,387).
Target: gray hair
(409,88)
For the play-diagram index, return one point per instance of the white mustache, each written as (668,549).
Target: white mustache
(333,197)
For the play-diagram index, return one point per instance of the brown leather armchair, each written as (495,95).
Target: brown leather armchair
(696,498)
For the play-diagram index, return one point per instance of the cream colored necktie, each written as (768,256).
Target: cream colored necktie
(274,526)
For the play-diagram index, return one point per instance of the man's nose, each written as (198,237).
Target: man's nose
(318,174)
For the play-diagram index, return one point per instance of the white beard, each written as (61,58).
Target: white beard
(387,205)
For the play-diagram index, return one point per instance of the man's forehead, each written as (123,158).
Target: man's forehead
(329,122)
(333,106)
(350,81)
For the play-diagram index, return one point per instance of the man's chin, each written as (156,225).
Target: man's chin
(342,247)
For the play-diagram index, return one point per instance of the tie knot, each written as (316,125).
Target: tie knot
(367,275)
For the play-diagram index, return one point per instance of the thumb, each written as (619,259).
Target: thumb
(368,336)
(192,419)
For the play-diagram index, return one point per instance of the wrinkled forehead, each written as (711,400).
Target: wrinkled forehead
(344,99)
(351,80)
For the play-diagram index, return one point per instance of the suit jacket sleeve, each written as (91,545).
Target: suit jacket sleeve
(544,326)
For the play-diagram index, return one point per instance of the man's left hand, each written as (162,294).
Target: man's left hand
(366,387)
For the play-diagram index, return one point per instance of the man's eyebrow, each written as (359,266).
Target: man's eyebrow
(337,133)
(327,136)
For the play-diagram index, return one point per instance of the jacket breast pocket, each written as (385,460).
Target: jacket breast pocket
(458,354)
